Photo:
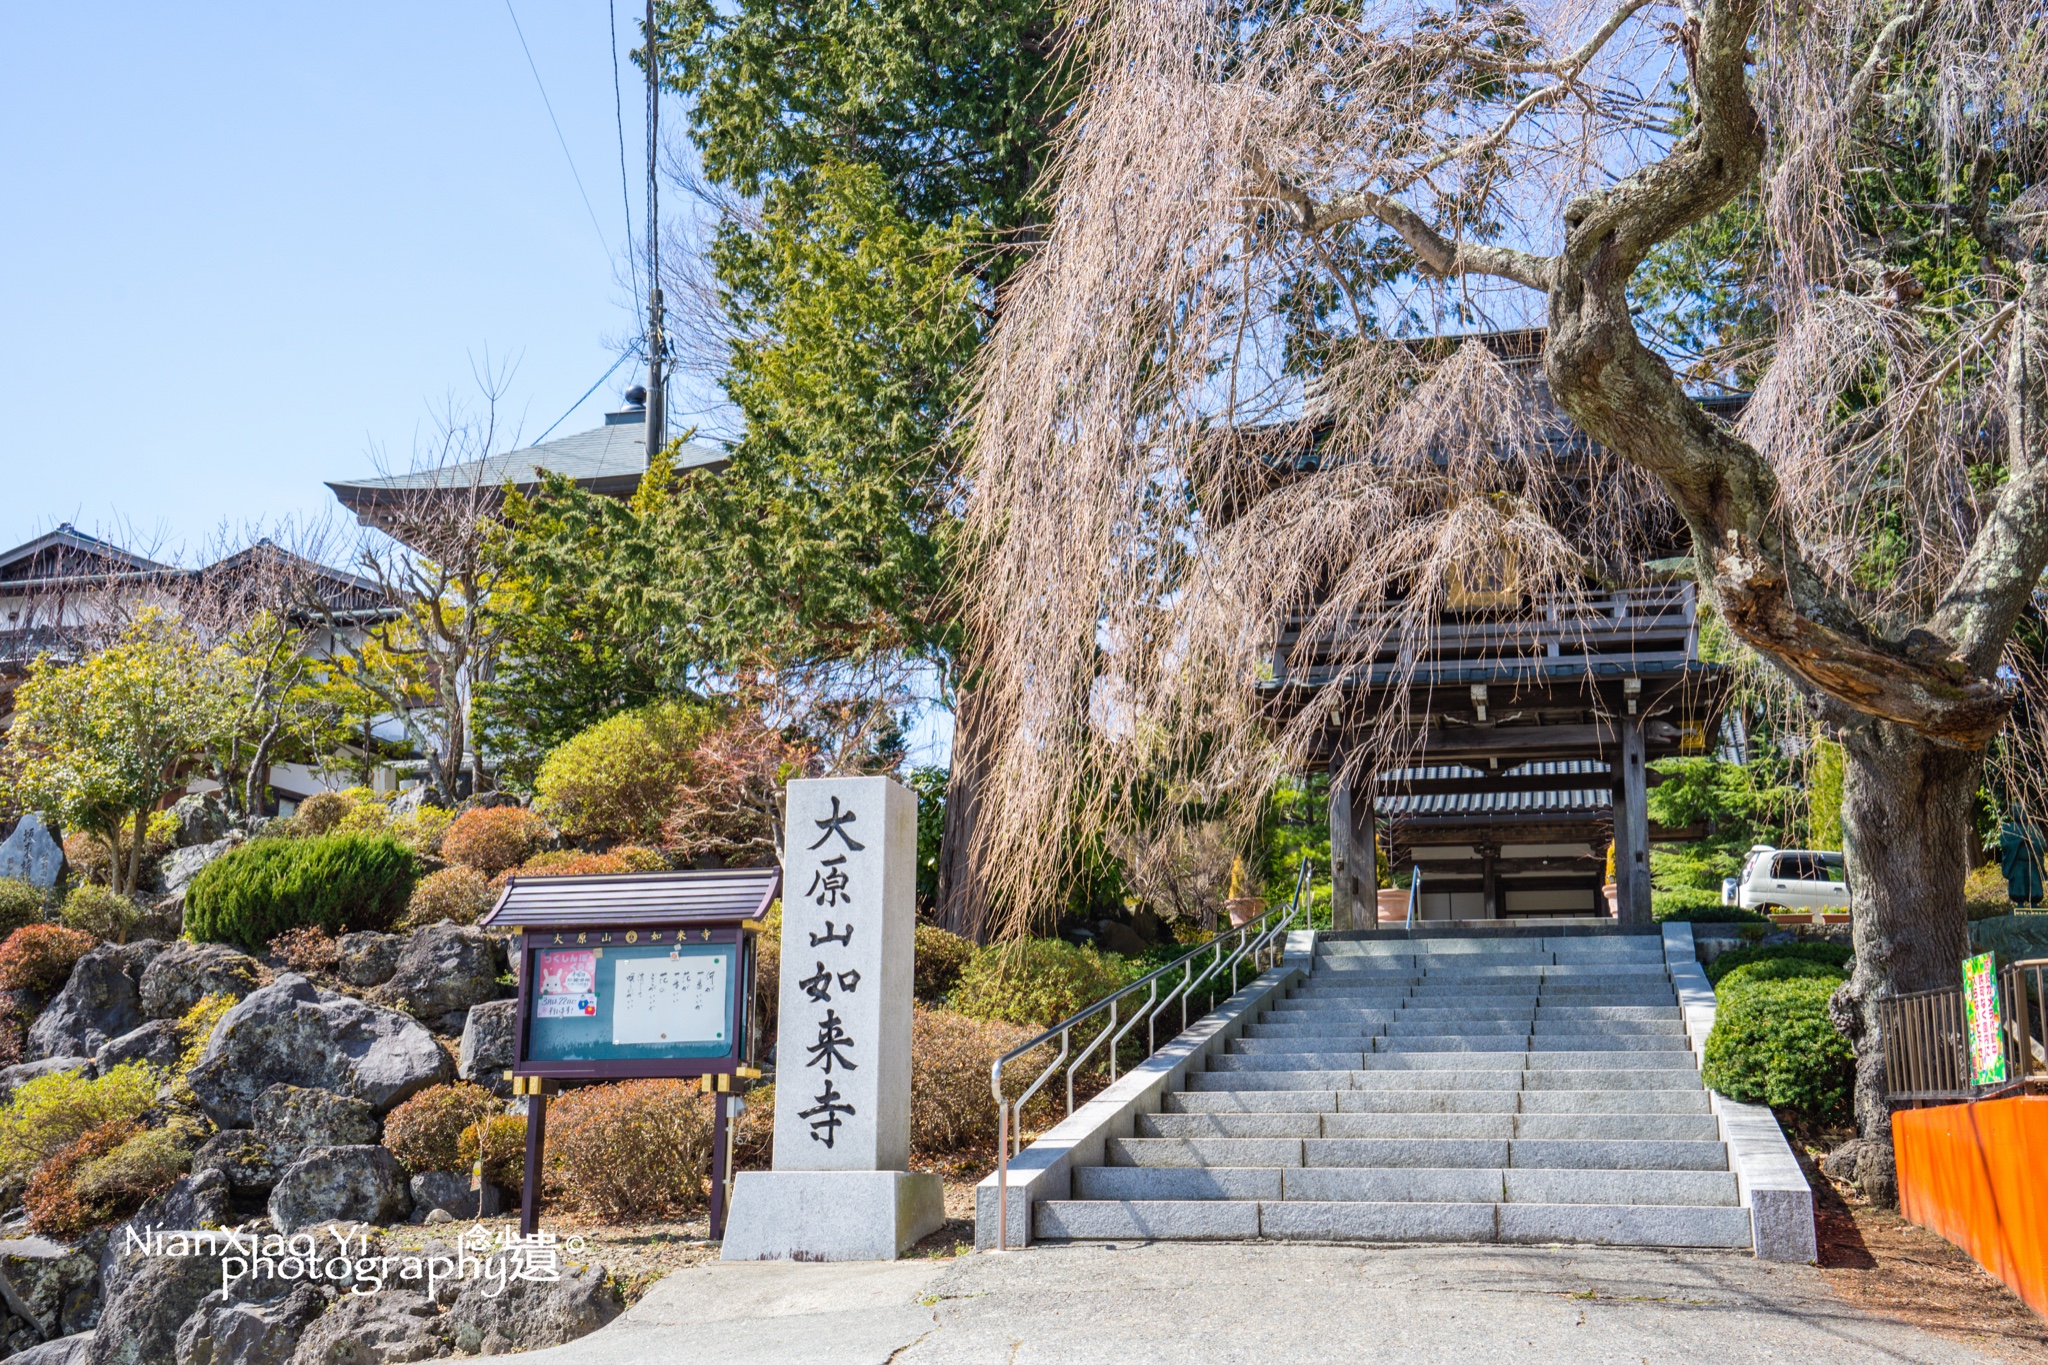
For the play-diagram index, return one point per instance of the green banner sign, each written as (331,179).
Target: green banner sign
(1980,1020)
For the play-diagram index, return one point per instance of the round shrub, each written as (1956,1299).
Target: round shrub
(1828,954)
(941,957)
(1776,969)
(20,903)
(250,895)
(633,1149)
(1664,910)
(39,957)
(492,839)
(319,813)
(54,1205)
(501,1141)
(425,1133)
(1774,1044)
(107,1174)
(950,1054)
(93,909)
(51,1112)
(620,778)
(460,894)
(1037,981)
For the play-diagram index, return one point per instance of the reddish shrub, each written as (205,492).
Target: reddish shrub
(425,1133)
(307,950)
(39,957)
(630,1150)
(54,1203)
(492,839)
(569,862)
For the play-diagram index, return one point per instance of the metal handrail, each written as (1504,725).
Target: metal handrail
(1414,893)
(1252,940)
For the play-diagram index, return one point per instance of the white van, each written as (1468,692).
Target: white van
(1793,881)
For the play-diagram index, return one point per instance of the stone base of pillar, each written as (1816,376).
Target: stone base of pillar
(831,1215)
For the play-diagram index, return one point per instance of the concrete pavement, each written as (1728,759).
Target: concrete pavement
(1168,1303)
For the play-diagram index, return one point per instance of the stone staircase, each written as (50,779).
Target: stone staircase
(1520,1086)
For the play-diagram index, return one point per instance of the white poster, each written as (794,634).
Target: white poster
(669,999)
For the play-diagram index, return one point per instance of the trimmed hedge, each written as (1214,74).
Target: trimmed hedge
(1774,1044)
(1831,954)
(252,894)
(1037,981)
(1664,911)
(941,957)
(1778,969)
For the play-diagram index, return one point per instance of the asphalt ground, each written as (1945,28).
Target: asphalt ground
(1165,1303)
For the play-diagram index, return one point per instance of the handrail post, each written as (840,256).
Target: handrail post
(1414,893)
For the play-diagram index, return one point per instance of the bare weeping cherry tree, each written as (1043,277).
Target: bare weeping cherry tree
(1190,423)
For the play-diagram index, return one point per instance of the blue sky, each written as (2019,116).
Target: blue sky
(248,247)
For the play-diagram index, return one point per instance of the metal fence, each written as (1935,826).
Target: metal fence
(1926,1049)
(1103,1036)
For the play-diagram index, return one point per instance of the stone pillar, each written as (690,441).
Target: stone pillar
(1631,827)
(840,1190)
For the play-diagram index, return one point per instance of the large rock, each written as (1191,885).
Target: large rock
(375,1329)
(243,1159)
(199,1200)
(443,1190)
(367,958)
(175,871)
(223,1333)
(202,819)
(445,967)
(157,1042)
(100,1002)
(54,1286)
(361,1184)
(184,973)
(293,1033)
(529,1314)
(32,853)
(139,1325)
(296,1117)
(13,1076)
(489,1044)
(69,1350)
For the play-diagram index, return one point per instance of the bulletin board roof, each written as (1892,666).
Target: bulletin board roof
(644,898)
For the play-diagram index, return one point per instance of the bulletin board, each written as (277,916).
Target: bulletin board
(634,1002)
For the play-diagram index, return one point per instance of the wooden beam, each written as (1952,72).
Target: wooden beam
(1505,740)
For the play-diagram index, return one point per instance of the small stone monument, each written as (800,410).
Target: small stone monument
(840,1190)
(32,853)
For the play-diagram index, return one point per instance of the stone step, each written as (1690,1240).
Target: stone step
(1405,1185)
(1233,1220)
(1490,1078)
(1595,1127)
(1540,1153)
(1412,1101)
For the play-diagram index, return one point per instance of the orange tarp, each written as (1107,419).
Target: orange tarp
(1978,1175)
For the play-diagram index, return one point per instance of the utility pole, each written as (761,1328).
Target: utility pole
(657,342)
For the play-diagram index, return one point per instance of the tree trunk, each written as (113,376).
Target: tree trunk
(1907,831)
(963,889)
(134,855)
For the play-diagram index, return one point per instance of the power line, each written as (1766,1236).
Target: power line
(619,117)
(550,107)
(630,352)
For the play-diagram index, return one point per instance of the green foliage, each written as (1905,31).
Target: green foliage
(108,1174)
(930,786)
(1742,978)
(1827,954)
(1986,892)
(1694,867)
(1297,826)
(50,1112)
(941,957)
(425,1132)
(500,1141)
(1824,796)
(619,779)
(20,903)
(1035,981)
(1675,908)
(101,741)
(1773,1044)
(253,894)
(105,915)
(1739,802)
(39,957)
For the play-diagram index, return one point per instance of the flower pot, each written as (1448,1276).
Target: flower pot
(1244,909)
(1393,904)
(1613,894)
